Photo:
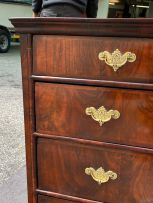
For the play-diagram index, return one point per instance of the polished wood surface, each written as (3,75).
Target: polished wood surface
(62,197)
(61,168)
(89,82)
(45,199)
(26,61)
(64,113)
(69,57)
(62,75)
(130,27)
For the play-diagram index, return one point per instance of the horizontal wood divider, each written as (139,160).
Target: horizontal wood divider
(96,143)
(65,197)
(100,83)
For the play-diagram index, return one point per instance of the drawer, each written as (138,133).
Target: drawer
(46,199)
(62,110)
(67,168)
(78,57)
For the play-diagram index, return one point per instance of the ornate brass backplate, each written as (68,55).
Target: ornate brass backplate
(100,175)
(101,115)
(116,59)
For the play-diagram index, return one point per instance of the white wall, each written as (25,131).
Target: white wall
(150,11)
(103,9)
(13,10)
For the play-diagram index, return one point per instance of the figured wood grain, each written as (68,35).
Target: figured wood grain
(60,110)
(64,50)
(61,168)
(77,57)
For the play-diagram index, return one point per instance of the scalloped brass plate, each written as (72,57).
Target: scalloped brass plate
(100,175)
(116,59)
(101,115)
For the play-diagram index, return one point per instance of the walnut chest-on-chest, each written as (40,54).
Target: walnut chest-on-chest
(88,103)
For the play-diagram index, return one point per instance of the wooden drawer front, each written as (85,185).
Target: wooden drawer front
(61,168)
(45,199)
(77,57)
(60,110)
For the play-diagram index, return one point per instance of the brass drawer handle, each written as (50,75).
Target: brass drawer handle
(116,59)
(102,115)
(100,175)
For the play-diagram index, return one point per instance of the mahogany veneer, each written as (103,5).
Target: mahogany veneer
(63,164)
(68,61)
(62,78)
(64,113)
(45,199)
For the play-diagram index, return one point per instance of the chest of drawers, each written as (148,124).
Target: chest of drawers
(88,103)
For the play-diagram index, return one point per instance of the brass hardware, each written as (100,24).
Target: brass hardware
(116,59)
(100,175)
(102,115)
